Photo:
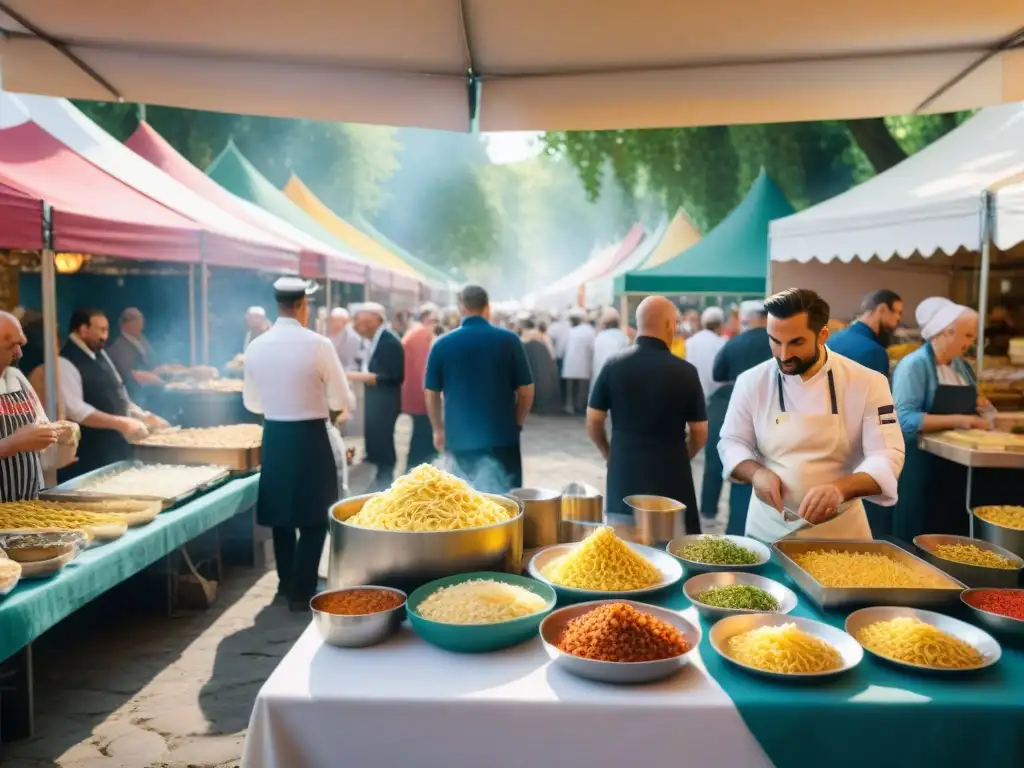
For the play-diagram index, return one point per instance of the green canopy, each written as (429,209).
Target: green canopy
(233,171)
(731,259)
(428,270)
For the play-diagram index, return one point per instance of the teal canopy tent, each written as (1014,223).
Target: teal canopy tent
(732,258)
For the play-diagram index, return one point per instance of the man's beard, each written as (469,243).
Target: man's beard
(95,346)
(885,337)
(802,366)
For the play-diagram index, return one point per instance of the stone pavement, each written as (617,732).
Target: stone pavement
(143,690)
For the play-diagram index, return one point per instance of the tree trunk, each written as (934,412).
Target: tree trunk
(873,137)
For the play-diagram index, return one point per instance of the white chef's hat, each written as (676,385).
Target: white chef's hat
(256,312)
(712,315)
(609,315)
(936,314)
(293,288)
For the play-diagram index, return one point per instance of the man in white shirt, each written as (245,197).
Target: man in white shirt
(813,432)
(28,440)
(609,341)
(346,341)
(256,323)
(578,363)
(703,347)
(294,378)
(94,395)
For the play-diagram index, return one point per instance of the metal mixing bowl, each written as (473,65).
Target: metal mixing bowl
(693,567)
(971,575)
(785,596)
(1007,538)
(361,630)
(1003,625)
(407,560)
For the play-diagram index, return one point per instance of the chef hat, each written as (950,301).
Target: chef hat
(936,314)
(712,315)
(256,312)
(372,308)
(293,288)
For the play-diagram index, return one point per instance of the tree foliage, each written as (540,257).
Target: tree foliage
(707,170)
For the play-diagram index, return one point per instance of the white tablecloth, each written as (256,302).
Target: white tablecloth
(407,704)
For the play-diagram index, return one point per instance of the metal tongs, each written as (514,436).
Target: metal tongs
(790,515)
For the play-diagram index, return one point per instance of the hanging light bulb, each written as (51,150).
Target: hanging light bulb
(69,263)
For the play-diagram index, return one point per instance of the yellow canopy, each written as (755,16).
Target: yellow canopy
(359,241)
(679,236)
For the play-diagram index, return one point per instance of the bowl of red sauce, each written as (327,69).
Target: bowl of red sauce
(1001,610)
(356,617)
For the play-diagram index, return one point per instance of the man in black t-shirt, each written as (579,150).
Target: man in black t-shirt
(659,418)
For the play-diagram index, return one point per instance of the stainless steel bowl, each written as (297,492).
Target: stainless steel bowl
(407,560)
(357,631)
(785,596)
(849,649)
(1002,625)
(616,671)
(979,638)
(572,531)
(657,519)
(542,516)
(1007,538)
(693,567)
(971,575)
(583,503)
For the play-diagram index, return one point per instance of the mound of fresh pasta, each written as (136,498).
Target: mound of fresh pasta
(913,641)
(429,499)
(864,569)
(602,561)
(1007,516)
(480,601)
(786,648)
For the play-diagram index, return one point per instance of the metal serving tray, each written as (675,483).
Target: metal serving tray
(236,459)
(836,597)
(72,489)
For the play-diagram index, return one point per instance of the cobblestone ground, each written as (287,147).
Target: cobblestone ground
(145,690)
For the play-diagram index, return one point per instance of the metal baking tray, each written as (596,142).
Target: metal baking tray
(236,459)
(72,489)
(971,457)
(842,597)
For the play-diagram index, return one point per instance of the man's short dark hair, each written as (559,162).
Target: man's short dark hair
(83,316)
(474,298)
(528,324)
(793,301)
(875,299)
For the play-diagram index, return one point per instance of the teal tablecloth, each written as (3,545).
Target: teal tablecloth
(35,606)
(877,715)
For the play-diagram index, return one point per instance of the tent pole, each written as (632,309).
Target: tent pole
(204,298)
(192,351)
(623,312)
(327,294)
(48,286)
(986,258)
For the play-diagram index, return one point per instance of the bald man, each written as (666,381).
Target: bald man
(659,419)
(27,437)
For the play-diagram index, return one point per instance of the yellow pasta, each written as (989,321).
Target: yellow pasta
(480,601)
(1006,516)
(970,554)
(913,641)
(429,499)
(786,648)
(864,569)
(602,561)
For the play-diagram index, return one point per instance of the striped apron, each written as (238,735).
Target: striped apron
(20,473)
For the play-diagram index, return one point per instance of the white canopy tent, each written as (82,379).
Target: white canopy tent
(958,197)
(522,64)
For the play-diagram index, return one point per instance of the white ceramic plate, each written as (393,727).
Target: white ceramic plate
(671,572)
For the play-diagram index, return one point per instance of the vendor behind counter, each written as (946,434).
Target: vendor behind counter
(935,390)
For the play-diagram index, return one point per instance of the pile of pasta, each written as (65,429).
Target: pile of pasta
(604,562)
(832,568)
(480,601)
(913,641)
(786,649)
(429,499)
(1007,516)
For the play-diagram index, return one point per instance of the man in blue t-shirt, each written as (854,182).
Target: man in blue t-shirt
(485,378)
(867,338)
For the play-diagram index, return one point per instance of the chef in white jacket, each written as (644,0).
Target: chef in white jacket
(812,431)
(578,364)
(610,340)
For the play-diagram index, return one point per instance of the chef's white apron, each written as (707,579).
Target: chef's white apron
(804,451)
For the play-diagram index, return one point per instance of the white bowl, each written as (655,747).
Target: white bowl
(693,567)
(785,596)
(671,572)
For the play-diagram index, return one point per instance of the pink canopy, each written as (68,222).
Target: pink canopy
(92,212)
(21,220)
(150,145)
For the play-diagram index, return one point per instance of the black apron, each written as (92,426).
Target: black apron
(299,477)
(933,491)
(20,473)
(640,465)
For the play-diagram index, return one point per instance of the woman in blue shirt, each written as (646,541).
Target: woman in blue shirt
(934,390)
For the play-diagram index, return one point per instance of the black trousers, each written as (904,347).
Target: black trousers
(421,447)
(494,470)
(297,552)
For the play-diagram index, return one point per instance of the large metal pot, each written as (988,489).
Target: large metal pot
(406,560)
(1007,538)
(542,515)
